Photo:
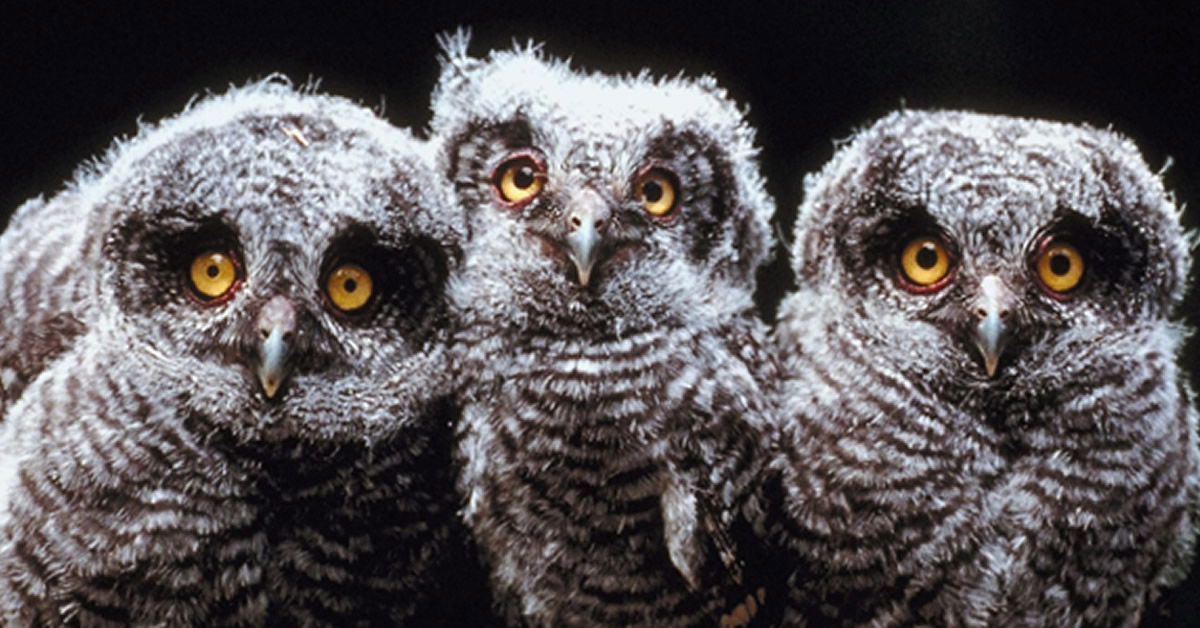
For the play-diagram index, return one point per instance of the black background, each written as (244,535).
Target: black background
(72,79)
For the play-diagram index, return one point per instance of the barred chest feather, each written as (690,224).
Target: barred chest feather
(567,481)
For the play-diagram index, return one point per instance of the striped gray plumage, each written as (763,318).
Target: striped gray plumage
(40,297)
(255,458)
(916,487)
(611,407)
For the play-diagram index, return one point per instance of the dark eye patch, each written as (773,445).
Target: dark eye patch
(155,254)
(874,238)
(1110,247)
(706,184)
(409,278)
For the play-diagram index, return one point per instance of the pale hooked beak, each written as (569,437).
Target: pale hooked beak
(993,308)
(587,219)
(275,325)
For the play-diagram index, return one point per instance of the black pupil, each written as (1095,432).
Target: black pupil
(523,177)
(212,271)
(652,191)
(1060,264)
(350,285)
(927,257)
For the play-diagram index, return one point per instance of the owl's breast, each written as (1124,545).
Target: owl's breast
(566,483)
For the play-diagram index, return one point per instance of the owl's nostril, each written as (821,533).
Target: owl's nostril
(575,222)
(1004,314)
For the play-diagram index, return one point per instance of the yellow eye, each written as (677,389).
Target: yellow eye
(925,262)
(349,287)
(518,180)
(657,193)
(213,274)
(1060,267)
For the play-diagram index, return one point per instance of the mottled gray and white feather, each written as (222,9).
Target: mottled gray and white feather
(609,355)
(249,457)
(1001,440)
(40,289)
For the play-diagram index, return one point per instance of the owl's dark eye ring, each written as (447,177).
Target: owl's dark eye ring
(924,265)
(518,180)
(214,276)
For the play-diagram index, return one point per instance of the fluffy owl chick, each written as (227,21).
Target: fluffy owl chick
(987,422)
(247,424)
(608,346)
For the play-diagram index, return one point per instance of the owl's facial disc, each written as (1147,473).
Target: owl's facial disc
(276,326)
(993,307)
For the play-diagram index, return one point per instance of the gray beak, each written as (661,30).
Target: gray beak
(587,218)
(275,325)
(993,309)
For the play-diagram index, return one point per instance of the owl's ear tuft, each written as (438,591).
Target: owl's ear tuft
(457,66)
(454,46)
(457,83)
